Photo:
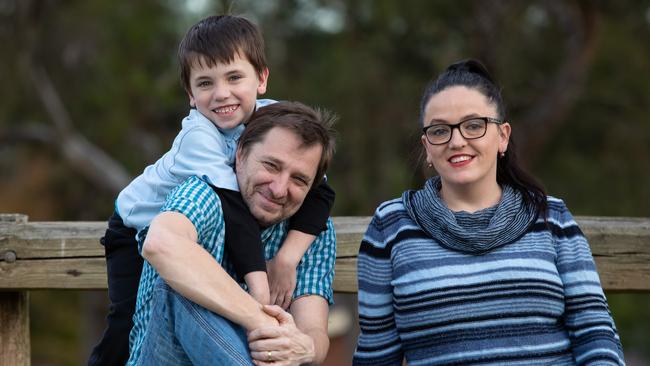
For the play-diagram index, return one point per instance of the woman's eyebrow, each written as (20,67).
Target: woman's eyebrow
(441,120)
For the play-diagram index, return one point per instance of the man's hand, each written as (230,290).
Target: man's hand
(278,345)
(282,280)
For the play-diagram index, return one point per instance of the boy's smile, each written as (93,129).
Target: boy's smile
(226,93)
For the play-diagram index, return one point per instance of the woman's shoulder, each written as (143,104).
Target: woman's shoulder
(558,213)
(390,206)
(391,216)
(555,205)
(392,212)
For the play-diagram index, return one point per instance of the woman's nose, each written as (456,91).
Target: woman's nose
(456,140)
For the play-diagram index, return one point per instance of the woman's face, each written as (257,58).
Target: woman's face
(461,162)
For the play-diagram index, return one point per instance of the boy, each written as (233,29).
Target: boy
(223,70)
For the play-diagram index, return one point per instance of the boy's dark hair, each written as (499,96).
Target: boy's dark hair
(312,126)
(218,39)
(474,75)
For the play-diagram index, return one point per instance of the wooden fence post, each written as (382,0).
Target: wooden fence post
(14,310)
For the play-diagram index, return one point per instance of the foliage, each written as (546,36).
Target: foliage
(574,74)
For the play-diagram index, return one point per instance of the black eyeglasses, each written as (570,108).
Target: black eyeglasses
(471,128)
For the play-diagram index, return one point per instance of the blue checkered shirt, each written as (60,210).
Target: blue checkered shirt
(201,205)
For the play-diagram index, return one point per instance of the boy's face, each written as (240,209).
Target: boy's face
(226,93)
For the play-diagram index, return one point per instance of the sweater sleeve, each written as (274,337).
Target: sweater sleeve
(593,335)
(378,342)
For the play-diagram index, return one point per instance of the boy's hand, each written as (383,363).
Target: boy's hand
(282,281)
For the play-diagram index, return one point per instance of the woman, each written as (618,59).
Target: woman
(479,266)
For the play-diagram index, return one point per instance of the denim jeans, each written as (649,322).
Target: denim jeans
(181,332)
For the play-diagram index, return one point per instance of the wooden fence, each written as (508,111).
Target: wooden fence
(68,256)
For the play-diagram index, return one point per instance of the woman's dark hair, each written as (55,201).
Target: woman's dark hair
(474,75)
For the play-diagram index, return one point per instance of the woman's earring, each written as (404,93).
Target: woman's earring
(430,165)
(502,154)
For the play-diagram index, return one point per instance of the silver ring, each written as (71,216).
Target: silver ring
(269,354)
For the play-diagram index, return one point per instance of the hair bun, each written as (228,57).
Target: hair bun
(472,66)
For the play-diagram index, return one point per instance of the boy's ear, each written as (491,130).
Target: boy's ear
(263,79)
(192,101)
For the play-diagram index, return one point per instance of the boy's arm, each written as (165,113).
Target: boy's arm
(171,248)
(309,310)
(312,216)
(204,152)
(282,268)
(243,244)
(304,225)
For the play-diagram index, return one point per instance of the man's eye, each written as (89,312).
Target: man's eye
(301,181)
(270,166)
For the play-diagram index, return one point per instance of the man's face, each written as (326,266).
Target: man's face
(276,175)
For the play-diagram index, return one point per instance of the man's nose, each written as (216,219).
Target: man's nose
(279,186)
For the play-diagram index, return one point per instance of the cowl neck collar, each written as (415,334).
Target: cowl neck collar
(472,233)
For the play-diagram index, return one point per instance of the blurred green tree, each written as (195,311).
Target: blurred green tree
(90,94)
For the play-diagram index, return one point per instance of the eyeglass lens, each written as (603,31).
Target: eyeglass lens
(469,129)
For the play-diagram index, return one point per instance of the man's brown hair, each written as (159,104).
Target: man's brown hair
(312,126)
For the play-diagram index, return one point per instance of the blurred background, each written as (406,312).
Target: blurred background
(90,94)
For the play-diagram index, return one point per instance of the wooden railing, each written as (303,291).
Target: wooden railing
(67,255)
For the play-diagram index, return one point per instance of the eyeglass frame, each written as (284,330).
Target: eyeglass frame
(457,126)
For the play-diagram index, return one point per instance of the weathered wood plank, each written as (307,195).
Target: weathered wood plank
(70,273)
(52,239)
(14,329)
(345,276)
(67,255)
(621,248)
(349,232)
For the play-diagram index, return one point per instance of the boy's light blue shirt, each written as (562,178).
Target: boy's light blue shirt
(200,149)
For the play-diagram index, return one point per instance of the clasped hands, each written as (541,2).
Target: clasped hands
(282,344)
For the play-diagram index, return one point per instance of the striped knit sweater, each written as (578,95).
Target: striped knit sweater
(535,301)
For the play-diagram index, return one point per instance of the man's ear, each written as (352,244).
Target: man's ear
(238,157)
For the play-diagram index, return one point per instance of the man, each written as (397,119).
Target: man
(199,314)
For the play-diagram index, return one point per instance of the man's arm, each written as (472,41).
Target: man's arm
(310,314)
(171,248)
